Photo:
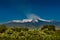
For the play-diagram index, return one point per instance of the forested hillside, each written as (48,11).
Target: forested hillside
(47,32)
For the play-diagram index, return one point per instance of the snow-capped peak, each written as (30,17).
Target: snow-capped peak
(16,21)
(22,21)
(45,20)
(28,20)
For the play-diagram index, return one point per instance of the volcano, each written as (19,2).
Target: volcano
(31,23)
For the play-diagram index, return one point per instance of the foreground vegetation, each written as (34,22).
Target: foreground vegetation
(47,32)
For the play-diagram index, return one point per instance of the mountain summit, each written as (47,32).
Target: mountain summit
(29,20)
(31,23)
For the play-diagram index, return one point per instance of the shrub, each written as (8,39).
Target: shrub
(3,28)
(48,27)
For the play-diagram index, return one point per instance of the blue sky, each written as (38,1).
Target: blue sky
(17,9)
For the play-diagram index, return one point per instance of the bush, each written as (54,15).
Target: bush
(16,33)
(18,29)
(3,28)
(48,27)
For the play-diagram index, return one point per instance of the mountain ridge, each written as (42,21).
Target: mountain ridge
(31,23)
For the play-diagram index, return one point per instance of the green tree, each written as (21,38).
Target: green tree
(48,27)
(2,28)
(18,29)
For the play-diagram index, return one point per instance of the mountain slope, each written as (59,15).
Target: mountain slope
(31,23)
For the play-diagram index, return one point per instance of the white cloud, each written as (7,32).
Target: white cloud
(33,16)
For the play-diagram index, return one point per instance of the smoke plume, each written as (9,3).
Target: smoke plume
(32,16)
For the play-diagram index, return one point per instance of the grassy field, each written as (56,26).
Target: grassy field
(17,33)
